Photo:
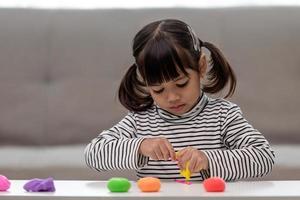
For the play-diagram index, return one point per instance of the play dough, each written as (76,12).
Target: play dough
(214,184)
(117,184)
(4,183)
(40,185)
(149,184)
(186,173)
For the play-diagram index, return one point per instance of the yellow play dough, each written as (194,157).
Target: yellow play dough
(186,173)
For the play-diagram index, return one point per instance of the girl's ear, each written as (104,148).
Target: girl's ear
(202,65)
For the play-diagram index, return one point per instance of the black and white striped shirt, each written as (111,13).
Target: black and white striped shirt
(235,150)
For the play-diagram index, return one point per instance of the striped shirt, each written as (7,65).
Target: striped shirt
(235,150)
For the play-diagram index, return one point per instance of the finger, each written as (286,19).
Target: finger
(165,152)
(184,155)
(153,156)
(158,153)
(171,151)
(199,165)
(179,156)
(181,152)
(194,159)
(185,158)
(180,165)
(193,165)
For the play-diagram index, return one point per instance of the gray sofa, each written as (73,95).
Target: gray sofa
(60,70)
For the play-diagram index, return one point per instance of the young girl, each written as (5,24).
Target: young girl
(171,113)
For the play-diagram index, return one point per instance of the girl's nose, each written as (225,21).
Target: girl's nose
(173,97)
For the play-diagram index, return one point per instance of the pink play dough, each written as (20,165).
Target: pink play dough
(4,183)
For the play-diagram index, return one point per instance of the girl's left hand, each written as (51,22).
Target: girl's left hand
(197,159)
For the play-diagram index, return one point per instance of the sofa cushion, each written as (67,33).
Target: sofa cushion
(60,69)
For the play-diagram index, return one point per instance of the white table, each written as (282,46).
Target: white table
(169,191)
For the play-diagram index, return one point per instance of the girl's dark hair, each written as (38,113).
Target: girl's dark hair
(163,49)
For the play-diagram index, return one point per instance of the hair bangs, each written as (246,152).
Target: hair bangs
(162,62)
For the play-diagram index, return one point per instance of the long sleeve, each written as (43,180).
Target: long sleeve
(116,148)
(247,154)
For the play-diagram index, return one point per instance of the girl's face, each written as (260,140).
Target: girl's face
(178,96)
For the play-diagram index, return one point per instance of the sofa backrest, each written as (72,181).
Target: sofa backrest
(60,69)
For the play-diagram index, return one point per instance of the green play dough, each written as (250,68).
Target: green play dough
(117,184)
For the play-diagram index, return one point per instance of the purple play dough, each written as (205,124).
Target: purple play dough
(40,185)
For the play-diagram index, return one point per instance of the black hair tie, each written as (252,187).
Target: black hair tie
(201,43)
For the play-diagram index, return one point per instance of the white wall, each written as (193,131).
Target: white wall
(92,4)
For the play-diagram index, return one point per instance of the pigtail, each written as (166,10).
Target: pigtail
(220,74)
(132,93)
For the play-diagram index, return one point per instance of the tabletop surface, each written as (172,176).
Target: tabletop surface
(169,190)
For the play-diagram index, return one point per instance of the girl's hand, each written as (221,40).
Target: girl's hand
(157,149)
(197,159)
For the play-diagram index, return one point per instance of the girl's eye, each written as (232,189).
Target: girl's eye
(158,91)
(183,84)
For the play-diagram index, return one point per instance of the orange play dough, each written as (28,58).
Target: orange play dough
(149,184)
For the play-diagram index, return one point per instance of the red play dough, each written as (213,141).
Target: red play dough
(214,184)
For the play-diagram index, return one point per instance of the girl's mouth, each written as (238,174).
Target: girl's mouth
(178,107)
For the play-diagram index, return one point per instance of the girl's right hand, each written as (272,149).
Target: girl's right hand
(157,149)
